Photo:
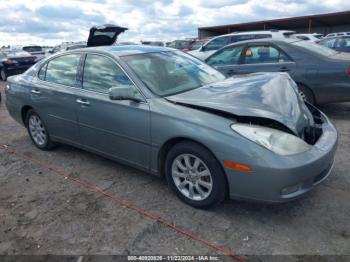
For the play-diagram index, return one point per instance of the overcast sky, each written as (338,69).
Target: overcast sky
(51,22)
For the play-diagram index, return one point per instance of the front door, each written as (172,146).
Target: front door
(117,128)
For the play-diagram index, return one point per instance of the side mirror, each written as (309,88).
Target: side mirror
(124,93)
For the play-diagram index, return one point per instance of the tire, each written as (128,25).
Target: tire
(208,188)
(306,94)
(3,74)
(37,131)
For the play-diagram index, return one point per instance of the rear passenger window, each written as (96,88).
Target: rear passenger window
(101,73)
(216,44)
(264,54)
(63,69)
(260,36)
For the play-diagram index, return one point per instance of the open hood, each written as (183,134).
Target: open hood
(104,35)
(264,95)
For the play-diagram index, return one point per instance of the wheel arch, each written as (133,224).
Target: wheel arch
(24,112)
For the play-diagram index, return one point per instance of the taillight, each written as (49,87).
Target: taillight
(348,70)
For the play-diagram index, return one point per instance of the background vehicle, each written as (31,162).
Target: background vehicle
(220,41)
(322,74)
(34,50)
(67,47)
(338,34)
(339,43)
(152,43)
(309,37)
(15,62)
(182,45)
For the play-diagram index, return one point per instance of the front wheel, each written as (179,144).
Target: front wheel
(37,131)
(195,175)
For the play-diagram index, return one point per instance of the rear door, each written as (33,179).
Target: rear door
(117,128)
(266,57)
(53,96)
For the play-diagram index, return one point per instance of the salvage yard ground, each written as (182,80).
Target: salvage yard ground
(42,213)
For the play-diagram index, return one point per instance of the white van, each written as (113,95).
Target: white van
(220,41)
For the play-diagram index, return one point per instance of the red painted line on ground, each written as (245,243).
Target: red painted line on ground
(55,170)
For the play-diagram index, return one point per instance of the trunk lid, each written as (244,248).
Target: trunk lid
(104,34)
(265,95)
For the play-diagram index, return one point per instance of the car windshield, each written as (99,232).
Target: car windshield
(315,48)
(171,72)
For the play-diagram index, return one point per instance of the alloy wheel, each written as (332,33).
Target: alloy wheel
(37,130)
(192,177)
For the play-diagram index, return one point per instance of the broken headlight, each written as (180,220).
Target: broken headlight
(274,140)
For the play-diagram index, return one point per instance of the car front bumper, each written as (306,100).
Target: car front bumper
(283,178)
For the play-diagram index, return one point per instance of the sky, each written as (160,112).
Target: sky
(51,22)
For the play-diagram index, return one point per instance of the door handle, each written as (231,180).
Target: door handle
(36,92)
(83,102)
(284,69)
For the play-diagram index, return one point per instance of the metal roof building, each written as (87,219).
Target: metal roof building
(322,23)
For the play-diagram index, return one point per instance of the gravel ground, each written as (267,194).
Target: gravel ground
(42,213)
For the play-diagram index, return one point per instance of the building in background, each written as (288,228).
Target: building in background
(323,23)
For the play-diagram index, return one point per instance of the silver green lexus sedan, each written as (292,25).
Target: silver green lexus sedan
(169,114)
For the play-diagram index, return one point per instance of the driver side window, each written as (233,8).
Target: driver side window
(101,73)
(226,56)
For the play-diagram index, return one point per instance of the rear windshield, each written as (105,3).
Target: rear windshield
(315,48)
(32,48)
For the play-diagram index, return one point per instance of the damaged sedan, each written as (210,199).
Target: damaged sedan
(169,114)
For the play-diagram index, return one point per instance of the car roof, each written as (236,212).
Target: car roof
(267,40)
(335,37)
(128,49)
(274,32)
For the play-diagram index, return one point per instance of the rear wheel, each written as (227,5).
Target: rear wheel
(3,74)
(37,131)
(195,175)
(306,94)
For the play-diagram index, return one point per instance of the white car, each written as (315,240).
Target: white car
(338,34)
(315,37)
(220,41)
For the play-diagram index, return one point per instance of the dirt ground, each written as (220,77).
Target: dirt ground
(43,213)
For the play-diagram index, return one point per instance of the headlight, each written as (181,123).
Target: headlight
(275,140)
